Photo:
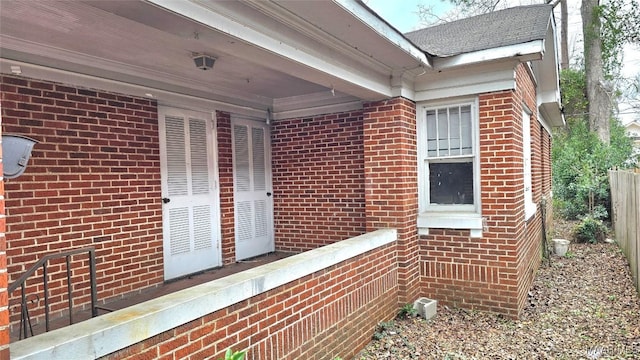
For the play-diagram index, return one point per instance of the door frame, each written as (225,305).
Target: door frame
(212,144)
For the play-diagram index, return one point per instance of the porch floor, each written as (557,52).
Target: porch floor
(157,291)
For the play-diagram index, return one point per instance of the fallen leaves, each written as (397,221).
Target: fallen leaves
(580,307)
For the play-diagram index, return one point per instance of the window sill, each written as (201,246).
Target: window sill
(446,220)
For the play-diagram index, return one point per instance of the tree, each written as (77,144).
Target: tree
(599,107)
(564,35)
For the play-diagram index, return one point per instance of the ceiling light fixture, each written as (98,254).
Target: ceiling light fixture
(204,61)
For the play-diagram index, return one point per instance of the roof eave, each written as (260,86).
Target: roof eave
(552,113)
(549,82)
(528,51)
(366,15)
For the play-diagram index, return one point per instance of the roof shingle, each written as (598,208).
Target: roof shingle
(506,27)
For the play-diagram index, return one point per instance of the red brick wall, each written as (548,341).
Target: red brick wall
(93,180)
(494,273)
(391,190)
(318,180)
(225,176)
(530,244)
(4,299)
(327,314)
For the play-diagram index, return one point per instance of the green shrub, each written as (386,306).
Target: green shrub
(230,355)
(580,161)
(581,164)
(590,229)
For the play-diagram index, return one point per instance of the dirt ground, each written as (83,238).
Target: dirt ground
(581,306)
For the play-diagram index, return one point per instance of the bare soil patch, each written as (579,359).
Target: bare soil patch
(581,306)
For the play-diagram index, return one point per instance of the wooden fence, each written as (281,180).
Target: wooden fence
(625,205)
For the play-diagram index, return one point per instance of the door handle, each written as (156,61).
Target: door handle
(268,194)
(165,200)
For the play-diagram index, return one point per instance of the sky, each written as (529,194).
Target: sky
(402,14)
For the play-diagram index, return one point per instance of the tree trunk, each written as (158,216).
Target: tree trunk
(564,35)
(599,105)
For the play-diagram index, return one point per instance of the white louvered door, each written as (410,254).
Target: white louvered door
(252,188)
(190,210)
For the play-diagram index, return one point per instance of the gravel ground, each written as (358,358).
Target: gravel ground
(582,306)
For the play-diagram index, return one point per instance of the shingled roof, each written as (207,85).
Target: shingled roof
(500,28)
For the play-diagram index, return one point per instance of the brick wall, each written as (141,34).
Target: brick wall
(480,273)
(225,176)
(494,273)
(318,180)
(391,189)
(530,244)
(327,314)
(93,180)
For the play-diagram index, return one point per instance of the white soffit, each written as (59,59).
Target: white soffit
(284,48)
(371,35)
(163,97)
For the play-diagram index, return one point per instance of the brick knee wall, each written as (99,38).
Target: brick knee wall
(330,313)
(93,180)
(468,272)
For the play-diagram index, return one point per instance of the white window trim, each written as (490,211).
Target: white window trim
(530,207)
(448,216)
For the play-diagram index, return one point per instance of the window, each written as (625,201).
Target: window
(448,167)
(529,205)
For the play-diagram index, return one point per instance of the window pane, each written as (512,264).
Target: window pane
(443,132)
(451,183)
(454,130)
(432,142)
(449,131)
(465,125)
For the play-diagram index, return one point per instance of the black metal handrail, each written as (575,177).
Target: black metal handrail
(24,313)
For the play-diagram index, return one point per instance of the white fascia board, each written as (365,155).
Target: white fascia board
(318,110)
(542,119)
(163,97)
(228,26)
(323,98)
(464,90)
(314,104)
(385,30)
(532,50)
(463,82)
(548,96)
(552,113)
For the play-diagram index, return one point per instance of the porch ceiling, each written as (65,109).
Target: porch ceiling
(268,53)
